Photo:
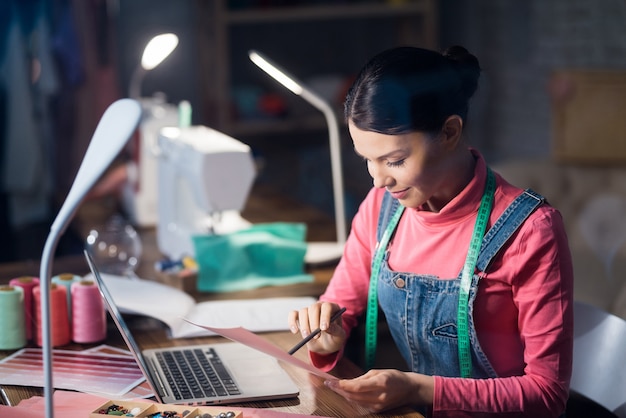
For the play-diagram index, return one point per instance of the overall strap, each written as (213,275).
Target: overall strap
(513,217)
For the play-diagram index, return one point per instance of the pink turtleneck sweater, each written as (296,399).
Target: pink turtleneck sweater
(523,310)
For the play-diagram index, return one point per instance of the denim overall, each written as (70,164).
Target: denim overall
(421,310)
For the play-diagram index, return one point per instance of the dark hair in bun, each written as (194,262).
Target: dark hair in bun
(407,89)
(468,67)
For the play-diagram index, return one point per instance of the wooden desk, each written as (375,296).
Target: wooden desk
(314,397)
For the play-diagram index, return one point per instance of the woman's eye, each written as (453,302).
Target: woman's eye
(395,163)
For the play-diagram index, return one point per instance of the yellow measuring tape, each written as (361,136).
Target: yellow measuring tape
(371,320)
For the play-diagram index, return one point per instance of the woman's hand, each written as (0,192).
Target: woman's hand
(379,390)
(331,339)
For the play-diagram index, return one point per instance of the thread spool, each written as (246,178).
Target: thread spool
(27,283)
(66,280)
(12,330)
(59,323)
(89,321)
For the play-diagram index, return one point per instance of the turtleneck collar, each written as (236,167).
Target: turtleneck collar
(466,203)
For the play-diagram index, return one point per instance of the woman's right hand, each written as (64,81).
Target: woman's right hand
(333,336)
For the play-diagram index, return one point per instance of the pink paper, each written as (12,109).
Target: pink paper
(243,336)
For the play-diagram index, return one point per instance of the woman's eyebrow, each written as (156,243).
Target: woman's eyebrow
(400,151)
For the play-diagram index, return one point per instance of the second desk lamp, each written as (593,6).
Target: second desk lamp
(317,252)
(140,192)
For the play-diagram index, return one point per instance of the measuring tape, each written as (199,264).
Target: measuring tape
(465,359)
(371,322)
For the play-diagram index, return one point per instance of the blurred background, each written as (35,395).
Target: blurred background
(550,112)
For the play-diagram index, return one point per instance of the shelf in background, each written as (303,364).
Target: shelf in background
(326,12)
(317,39)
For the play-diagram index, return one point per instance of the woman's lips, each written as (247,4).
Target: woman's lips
(399,194)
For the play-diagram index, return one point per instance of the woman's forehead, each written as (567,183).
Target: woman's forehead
(374,145)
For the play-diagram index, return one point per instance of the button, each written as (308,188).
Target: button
(400,283)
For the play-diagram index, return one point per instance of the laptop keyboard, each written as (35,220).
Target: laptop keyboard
(194,373)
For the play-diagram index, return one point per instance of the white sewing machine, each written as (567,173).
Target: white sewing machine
(204,179)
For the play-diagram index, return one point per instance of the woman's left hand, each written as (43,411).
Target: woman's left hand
(379,390)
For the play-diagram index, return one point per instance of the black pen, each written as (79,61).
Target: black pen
(312,335)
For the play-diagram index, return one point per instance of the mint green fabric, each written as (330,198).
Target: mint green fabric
(266,254)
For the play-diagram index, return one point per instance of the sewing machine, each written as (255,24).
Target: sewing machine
(204,178)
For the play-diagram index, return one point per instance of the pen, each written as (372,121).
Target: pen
(312,335)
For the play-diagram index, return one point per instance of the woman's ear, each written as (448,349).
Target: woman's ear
(452,131)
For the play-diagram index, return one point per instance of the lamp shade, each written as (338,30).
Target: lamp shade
(157,49)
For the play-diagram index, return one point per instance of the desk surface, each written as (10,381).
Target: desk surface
(314,398)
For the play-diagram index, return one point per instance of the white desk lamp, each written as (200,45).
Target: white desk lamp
(139,196)
(317,252)
(113,131)
(156,50)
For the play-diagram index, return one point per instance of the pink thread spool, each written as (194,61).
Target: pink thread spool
(89,316)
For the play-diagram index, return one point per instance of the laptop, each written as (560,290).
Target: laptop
(205,374)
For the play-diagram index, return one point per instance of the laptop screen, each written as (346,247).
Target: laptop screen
(121,324)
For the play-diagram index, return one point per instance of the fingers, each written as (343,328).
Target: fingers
(308,319)
(318,315)
(366,383)
(293,321)
(312,317)
(378,390)
(356,391)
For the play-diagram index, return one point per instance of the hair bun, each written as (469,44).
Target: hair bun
(467,65)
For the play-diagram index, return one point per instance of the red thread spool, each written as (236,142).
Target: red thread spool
(89,316)
(27,283)
(59,322)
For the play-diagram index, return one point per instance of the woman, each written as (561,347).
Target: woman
(474,275)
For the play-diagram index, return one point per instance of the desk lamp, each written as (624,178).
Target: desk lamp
(139,195)
(159,48)
(113,131)
(317,252)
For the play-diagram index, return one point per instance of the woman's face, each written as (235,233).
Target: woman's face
(416,168)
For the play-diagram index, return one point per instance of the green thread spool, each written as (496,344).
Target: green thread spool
(12,330)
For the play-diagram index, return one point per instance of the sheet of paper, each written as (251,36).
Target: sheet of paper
(250,339)
(170,305)
(256,315)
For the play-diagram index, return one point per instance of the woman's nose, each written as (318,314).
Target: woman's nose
(379,178)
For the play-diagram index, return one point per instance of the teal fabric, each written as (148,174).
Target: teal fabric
(266,254)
